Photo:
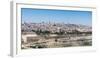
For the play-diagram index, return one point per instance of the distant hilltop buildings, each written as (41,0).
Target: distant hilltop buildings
(54,27)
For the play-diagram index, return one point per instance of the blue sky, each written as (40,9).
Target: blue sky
(57,16)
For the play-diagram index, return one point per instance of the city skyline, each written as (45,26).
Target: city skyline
(57,16)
